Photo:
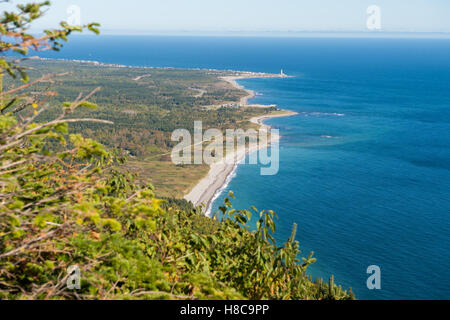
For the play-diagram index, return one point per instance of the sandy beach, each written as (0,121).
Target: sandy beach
(203,193)
(250,93)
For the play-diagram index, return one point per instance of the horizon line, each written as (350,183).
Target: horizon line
(274,33)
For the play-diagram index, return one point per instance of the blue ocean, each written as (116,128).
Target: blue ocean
(364,166)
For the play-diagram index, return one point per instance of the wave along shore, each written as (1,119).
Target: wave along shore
(221,172)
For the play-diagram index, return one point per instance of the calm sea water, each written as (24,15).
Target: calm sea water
(365,166)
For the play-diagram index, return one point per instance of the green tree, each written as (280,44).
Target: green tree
(63,203)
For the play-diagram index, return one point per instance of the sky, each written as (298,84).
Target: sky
(222,16)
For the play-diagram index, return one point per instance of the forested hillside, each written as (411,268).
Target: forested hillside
(65,203)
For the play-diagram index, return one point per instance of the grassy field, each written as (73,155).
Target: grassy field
(169,180)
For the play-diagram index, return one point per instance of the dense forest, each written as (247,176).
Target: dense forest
(66,209)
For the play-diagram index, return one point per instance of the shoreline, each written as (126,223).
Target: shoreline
(243,102)
(238,74)
(205,191)
(219,175)
(221,172)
